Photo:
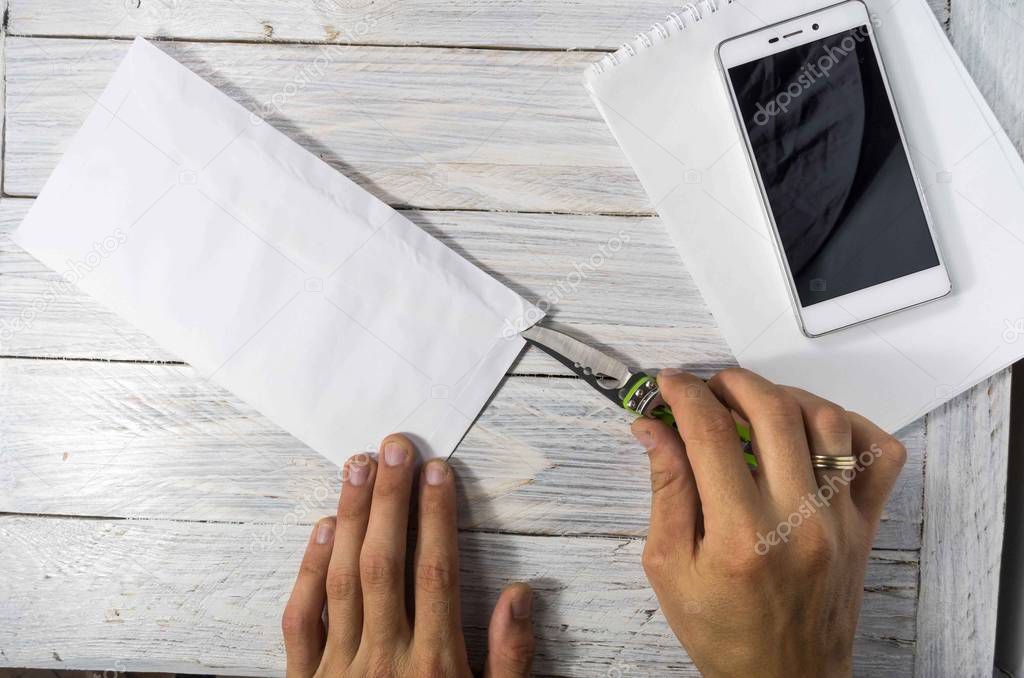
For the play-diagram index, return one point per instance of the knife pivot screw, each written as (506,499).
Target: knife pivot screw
(644,398)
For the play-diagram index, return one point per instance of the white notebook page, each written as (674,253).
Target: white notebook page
(670,112)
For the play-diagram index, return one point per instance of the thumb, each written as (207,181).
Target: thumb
(510,636)
(675,504)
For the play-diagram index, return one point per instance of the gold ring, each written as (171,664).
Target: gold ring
(838,463)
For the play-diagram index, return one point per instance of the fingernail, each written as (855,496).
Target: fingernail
(358,471)
(394,454)
(670,372)
(323,532)
(645,438)
(522,605)
(436,472)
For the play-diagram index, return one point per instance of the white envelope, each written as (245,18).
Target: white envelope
(275,276)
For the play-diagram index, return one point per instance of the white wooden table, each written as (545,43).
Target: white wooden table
(152,522)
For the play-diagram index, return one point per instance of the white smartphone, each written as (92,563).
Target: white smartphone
(826,146)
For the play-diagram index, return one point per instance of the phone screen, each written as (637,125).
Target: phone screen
(834,166)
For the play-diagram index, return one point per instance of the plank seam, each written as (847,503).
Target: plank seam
(398,207)
(466,531)
(179,363)
(3,95)
(75,359)
(318,43)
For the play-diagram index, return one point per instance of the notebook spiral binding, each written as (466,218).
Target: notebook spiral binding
(674,23)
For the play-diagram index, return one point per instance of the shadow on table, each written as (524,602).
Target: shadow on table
(490,561)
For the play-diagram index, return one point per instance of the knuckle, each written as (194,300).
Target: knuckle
(311,570)
(662,479)
(738,555)
(435,506)
(777,405)
(295,625)
(743,563)
(894,452)
(831,420)
(679,385)
(434,671)
(352,511)
(388,486)
(729,374)
(670,481)
(434,575)
(381,665)
(817,548)
(516,654)
(441,611)
(731,379)
(713,427)
(431,665)
(378,569)
(342,584)
(656,558)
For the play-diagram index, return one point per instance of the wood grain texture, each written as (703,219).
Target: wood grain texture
(547,456)
(92,592)
(965,499)
(221,500)
(575,266)
(3,84)
(534,24)
(965,487)
(987,36)
(572,24)
(434,128)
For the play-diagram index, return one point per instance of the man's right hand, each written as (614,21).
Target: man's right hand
(762,573)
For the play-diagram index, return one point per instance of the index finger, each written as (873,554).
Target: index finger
(712,445)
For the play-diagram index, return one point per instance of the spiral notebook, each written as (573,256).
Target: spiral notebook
(664,99)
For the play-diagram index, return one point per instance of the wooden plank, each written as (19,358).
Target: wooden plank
(585,269)
(965,489)
(547,456)
(965,500)
(987,35)
(3,85)
(434,128)
(594,24)
(204,598)
(537,24)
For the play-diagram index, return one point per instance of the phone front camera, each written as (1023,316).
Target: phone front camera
(815,26)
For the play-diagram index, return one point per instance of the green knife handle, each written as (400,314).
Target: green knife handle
(648,386)
(665,414)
